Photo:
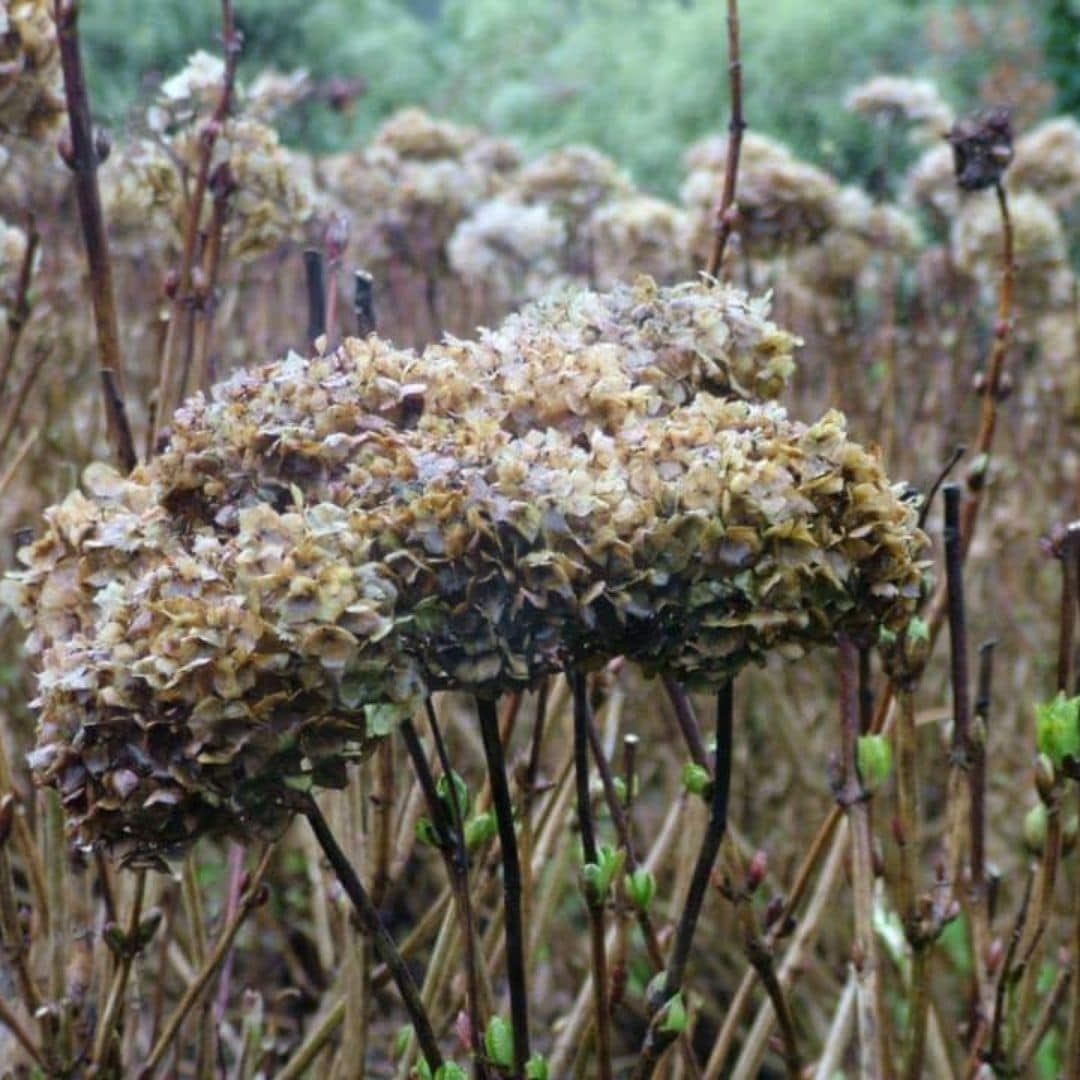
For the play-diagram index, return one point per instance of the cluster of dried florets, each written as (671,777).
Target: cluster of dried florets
(267,190)
(409,189)
(581,216)
(784,203)
(895,99)
(31,92)
(1047,162)
(1043,278)
(329,539)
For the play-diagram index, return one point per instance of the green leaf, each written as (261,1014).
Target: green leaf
(641,888)
(875,760)
(499,1043)
(536,1068)
(426,833)
(451,1071)
(1057,725)
(675,1018)
(461,791)
(480,830)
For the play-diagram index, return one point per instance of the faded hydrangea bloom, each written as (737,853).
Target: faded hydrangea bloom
(915,102)
(783,202)
(408,191)
(31,87)
(1042,273)
(930,185)
(329,539)
(639,234)
(513,253)
(270,190)
(1047,161)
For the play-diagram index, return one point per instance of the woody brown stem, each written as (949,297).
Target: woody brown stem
(82,156)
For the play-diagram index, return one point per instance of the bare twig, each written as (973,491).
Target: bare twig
(383,943)
(657,1039)
(504,816)
(593,901)
(727,211)
(82,155)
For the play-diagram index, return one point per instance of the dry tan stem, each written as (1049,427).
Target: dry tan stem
(864,948)
(210,965)
(836,1043)
(105,1029)
(20,456)
(20,308)
(754,1048)
(183,294)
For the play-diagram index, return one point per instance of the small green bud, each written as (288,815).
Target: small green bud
(422,1071)
(401,1040)
(480,830)
(874,755)
(426,833)
(675,1016)
(641,888)
(461,790)
(918,630)
(536,1068)
(696,779)
(499,1043)
(1057,726)
(451,1071)
(620,788)
(1045,777)
(1035,829)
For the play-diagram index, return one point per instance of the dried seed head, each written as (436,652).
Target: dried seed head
(330,538)
(982,148)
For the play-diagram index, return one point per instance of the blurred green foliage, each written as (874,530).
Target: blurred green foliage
(639,79)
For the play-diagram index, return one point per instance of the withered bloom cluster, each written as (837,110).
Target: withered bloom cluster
(783,202)
(329,539)
(146,184)
(31,92)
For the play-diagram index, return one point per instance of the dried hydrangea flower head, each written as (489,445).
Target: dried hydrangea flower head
(331,538)
(1047,161)
(1042,273)
(408,191)
(862,234)
(642,234)
(783,203)
(31,90)
(896,99)
(982,148)
(509,252)
(271,199)
(930,187)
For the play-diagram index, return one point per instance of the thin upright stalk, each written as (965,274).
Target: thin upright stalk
(373,925)
(853,798)
(82,156)
(182,297)
(594,903)
(504,817)
(450,828)
(657,1039)
(725,214)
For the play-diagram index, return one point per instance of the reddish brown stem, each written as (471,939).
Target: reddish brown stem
(725,214)
(82,156)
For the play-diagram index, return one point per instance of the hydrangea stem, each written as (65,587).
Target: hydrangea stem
(656,1039)
(594,903)
(504,816)
(384,945)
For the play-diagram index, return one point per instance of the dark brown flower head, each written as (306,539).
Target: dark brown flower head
(982,148)
(331,538)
